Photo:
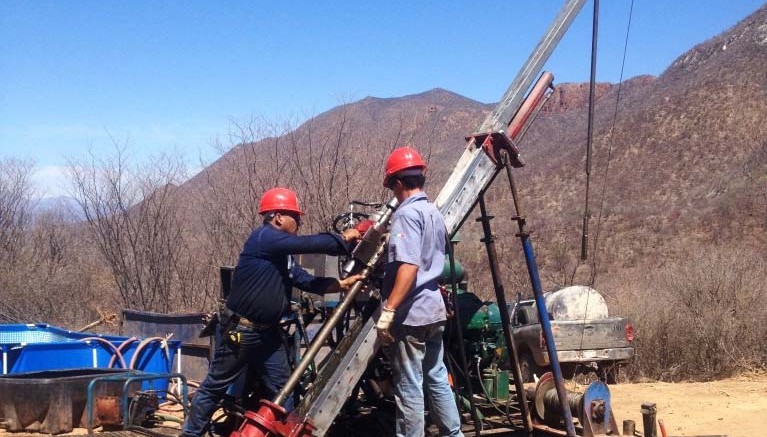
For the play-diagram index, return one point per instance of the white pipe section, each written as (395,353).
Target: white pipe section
(178,360)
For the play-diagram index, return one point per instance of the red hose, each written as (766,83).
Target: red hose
(662,428)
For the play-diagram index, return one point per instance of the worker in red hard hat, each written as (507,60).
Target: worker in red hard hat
(266,273)
(413,316)
(280,203)
(403,161)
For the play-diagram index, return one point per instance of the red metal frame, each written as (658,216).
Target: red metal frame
(272,420)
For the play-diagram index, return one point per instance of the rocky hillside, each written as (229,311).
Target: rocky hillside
(679,163)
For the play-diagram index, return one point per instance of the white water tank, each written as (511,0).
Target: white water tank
(577,302)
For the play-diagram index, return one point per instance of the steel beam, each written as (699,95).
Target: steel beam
(472,175)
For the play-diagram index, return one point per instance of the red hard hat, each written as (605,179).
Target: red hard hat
(402,158)
(279,199)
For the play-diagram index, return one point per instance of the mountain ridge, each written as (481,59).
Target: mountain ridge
(669,158)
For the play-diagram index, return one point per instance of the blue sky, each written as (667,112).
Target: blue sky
(171,75)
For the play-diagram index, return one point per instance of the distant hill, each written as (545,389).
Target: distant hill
(687,155)
(59,205)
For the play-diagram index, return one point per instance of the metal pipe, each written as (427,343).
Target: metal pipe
(649,411)
(533,103)
(319,340)
(461,351)
(629,427)
(500,295)
(590,131)
(662,427)
(543,316)
(372,258)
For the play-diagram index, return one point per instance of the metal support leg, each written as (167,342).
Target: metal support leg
(540,302)
(500,295)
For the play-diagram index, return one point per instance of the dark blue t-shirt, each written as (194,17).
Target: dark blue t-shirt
(266,272)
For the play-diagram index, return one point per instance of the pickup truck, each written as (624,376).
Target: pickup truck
(587,338)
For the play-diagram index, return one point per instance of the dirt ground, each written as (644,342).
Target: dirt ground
(736,407)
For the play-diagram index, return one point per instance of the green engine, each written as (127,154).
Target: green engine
(480,322)
(482,330)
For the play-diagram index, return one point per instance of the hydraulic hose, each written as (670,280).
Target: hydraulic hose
(163,345)
(111,346)
(487,395)
(120,348)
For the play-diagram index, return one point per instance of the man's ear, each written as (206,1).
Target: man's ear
(277,220)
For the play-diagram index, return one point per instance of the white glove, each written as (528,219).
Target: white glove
(384,325)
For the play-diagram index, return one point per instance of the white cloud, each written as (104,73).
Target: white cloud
(51,181)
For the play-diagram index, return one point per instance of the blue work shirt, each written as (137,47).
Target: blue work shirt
(266,272)
(417,237)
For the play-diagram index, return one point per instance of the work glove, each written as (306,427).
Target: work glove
(383,326)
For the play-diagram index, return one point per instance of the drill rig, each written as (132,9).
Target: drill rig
(490,150)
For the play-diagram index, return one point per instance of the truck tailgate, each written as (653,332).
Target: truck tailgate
(590,334)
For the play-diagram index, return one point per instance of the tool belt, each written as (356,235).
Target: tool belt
(242,321)
(229,321)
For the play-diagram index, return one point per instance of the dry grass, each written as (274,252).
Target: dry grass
(700,317)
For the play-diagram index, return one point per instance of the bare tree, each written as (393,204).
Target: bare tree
(133,214)
(334,161)
(60,265)
(15,219)
(253,160)
(331,168)
(40,257)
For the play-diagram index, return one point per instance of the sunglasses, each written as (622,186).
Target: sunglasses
(294,216)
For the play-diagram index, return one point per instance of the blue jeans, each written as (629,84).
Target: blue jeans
(419,367)
(260,352)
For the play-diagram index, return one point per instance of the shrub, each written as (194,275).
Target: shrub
(699,317)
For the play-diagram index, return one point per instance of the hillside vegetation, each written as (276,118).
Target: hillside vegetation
(678,238)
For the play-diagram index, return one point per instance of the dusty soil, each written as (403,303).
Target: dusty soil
(736,407)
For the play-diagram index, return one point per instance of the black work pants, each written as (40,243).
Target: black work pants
(262,353)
